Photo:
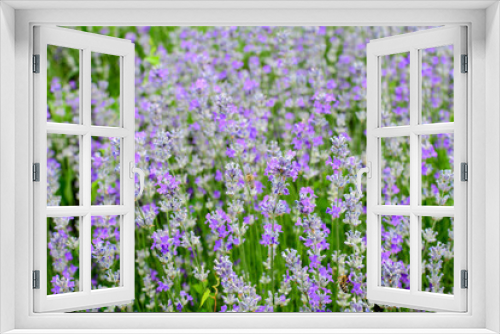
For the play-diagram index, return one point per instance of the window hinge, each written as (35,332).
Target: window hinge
(465,279)
(36,63)
(464,172)
(36,172)
(36,279)
(465,64)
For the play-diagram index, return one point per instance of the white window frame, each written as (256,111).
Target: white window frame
(483,100)
(85,297)
(412,43)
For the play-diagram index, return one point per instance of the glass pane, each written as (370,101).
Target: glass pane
(105,252)
(395,252)
(63,255)
(395,89)
(63,84)
(437,169)
(437,255)
(105,170)
(63,170)
(395,170)
(437,84)
(105,89)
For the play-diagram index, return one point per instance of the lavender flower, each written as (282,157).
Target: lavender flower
(245,197)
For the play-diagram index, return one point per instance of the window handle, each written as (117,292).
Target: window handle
(368,171)
(135,170)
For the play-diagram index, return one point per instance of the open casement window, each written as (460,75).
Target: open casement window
(410,78)
(84,198)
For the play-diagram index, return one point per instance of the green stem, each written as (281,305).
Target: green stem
(340,193)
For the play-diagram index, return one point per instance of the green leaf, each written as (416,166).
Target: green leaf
(205,297)
(93,192)
(189,119)
(198,288)
(154,60)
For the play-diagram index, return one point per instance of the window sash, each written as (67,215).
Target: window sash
(412,43)
(85,298)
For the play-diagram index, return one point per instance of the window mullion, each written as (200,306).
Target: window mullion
(388,132)
(86,182)
(104,131)
(85,254)
(414,171)
(433,129)
(391,210)
(434,211)
(420,129)
(81,167)
(406,210)
(109,210)
(67,129)
(80,130)
(66,211)
(86,121)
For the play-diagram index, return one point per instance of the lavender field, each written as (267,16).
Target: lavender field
(250,138)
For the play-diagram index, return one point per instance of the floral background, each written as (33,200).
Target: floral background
(250,138)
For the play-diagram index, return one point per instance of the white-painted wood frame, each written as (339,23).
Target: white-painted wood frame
(84,297)
(413,43)
(483,308)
